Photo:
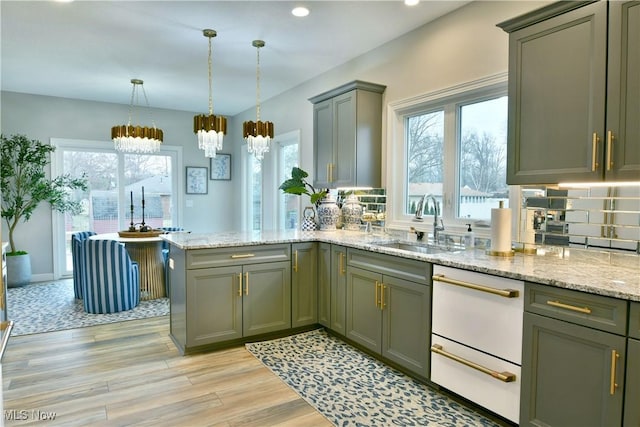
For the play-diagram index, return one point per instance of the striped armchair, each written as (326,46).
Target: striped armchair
(111,279)
(165,257)
(78,263)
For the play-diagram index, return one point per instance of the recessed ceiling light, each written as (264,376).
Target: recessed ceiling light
(300,11)
(411,2)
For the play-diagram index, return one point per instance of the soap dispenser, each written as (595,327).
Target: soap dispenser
(469,239)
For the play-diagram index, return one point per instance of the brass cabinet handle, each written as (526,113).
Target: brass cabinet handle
(239,284)
(610,139)
(506,377)
(377,284)
(342,270)
(585,310)
(236,256)
(507,293)
(382,304)
(329,172)
(594,152)
(246,283)
(614,362)
(295,261)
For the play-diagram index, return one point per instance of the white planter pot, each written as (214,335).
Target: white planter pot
(18,270)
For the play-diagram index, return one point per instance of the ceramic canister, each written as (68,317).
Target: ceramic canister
(328,213)
(309,221)
(351,213)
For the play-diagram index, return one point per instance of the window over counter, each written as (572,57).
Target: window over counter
(450,144)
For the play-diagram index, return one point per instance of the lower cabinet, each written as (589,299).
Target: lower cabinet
(324,284)
(226,303)
(304,284)
(338,289)
(390,316)
(572,375)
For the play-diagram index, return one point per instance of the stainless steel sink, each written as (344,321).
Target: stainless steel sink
(423,249)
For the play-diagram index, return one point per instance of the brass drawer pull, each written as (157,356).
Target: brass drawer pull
(507,293)
(585,310)
(236,256)
(506,377)
(594,152)
(614,363)
(609,150)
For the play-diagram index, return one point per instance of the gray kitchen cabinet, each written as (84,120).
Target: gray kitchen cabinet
(571,105)
(324,284)
(573,369)
(632,390)
(389,315)
(347,136)
(304,284)
(338,289)
(225,294)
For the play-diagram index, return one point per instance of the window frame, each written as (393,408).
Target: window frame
(449,99)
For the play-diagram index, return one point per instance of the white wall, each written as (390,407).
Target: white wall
(461,46)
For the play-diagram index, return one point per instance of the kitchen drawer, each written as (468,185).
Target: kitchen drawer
(477,317)
(238,255)
(595,311)
(634,320)
(485,389)
(402,268)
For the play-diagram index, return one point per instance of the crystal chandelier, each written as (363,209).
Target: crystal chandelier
(210,129)
(137,139)
(258,134)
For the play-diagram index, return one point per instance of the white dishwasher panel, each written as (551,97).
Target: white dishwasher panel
(479,319)
(503,398)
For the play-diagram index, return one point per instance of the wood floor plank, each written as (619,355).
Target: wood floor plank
(131,374)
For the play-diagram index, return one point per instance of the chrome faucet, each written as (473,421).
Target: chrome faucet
(437,227)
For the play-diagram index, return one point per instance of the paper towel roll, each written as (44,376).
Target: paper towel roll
(500,230)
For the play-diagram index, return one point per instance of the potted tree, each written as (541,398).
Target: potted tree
(24,185)
(298,185)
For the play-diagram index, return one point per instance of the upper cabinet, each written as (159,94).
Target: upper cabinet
(574,102)
(347,136)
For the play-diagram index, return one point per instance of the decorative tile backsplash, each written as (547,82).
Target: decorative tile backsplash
(600,217)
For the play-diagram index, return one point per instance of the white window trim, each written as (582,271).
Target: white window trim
(280,141)
(397,151)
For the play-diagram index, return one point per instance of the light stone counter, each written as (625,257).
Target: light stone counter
(602,273)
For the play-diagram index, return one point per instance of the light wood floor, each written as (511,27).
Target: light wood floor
(130,373)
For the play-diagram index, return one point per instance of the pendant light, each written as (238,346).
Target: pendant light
(210,129)
(258,134)
(137,139)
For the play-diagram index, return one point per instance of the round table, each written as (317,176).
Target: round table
(147,252)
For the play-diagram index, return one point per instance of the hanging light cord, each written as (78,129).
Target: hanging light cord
(210,78)
(258,84)
(146,101)
(135,98)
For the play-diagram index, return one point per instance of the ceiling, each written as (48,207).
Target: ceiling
(91,50)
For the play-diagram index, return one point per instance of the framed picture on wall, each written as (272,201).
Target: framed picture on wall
(221,167)
(196,180)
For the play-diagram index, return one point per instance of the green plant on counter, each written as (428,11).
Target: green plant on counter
(298,185)
(24,183)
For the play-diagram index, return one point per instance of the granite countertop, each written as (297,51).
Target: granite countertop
(603,273)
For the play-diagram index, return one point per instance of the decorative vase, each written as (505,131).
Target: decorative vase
(328,213)
(351,213)
(309,221)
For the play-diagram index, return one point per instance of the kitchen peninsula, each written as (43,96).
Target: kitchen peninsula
(375,291)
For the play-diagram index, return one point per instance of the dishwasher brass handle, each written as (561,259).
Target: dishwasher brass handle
(236,256)
(594,152)
(507,293)
(295,261)
(585,310)
(614,362)
(506,377)
(609,150)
